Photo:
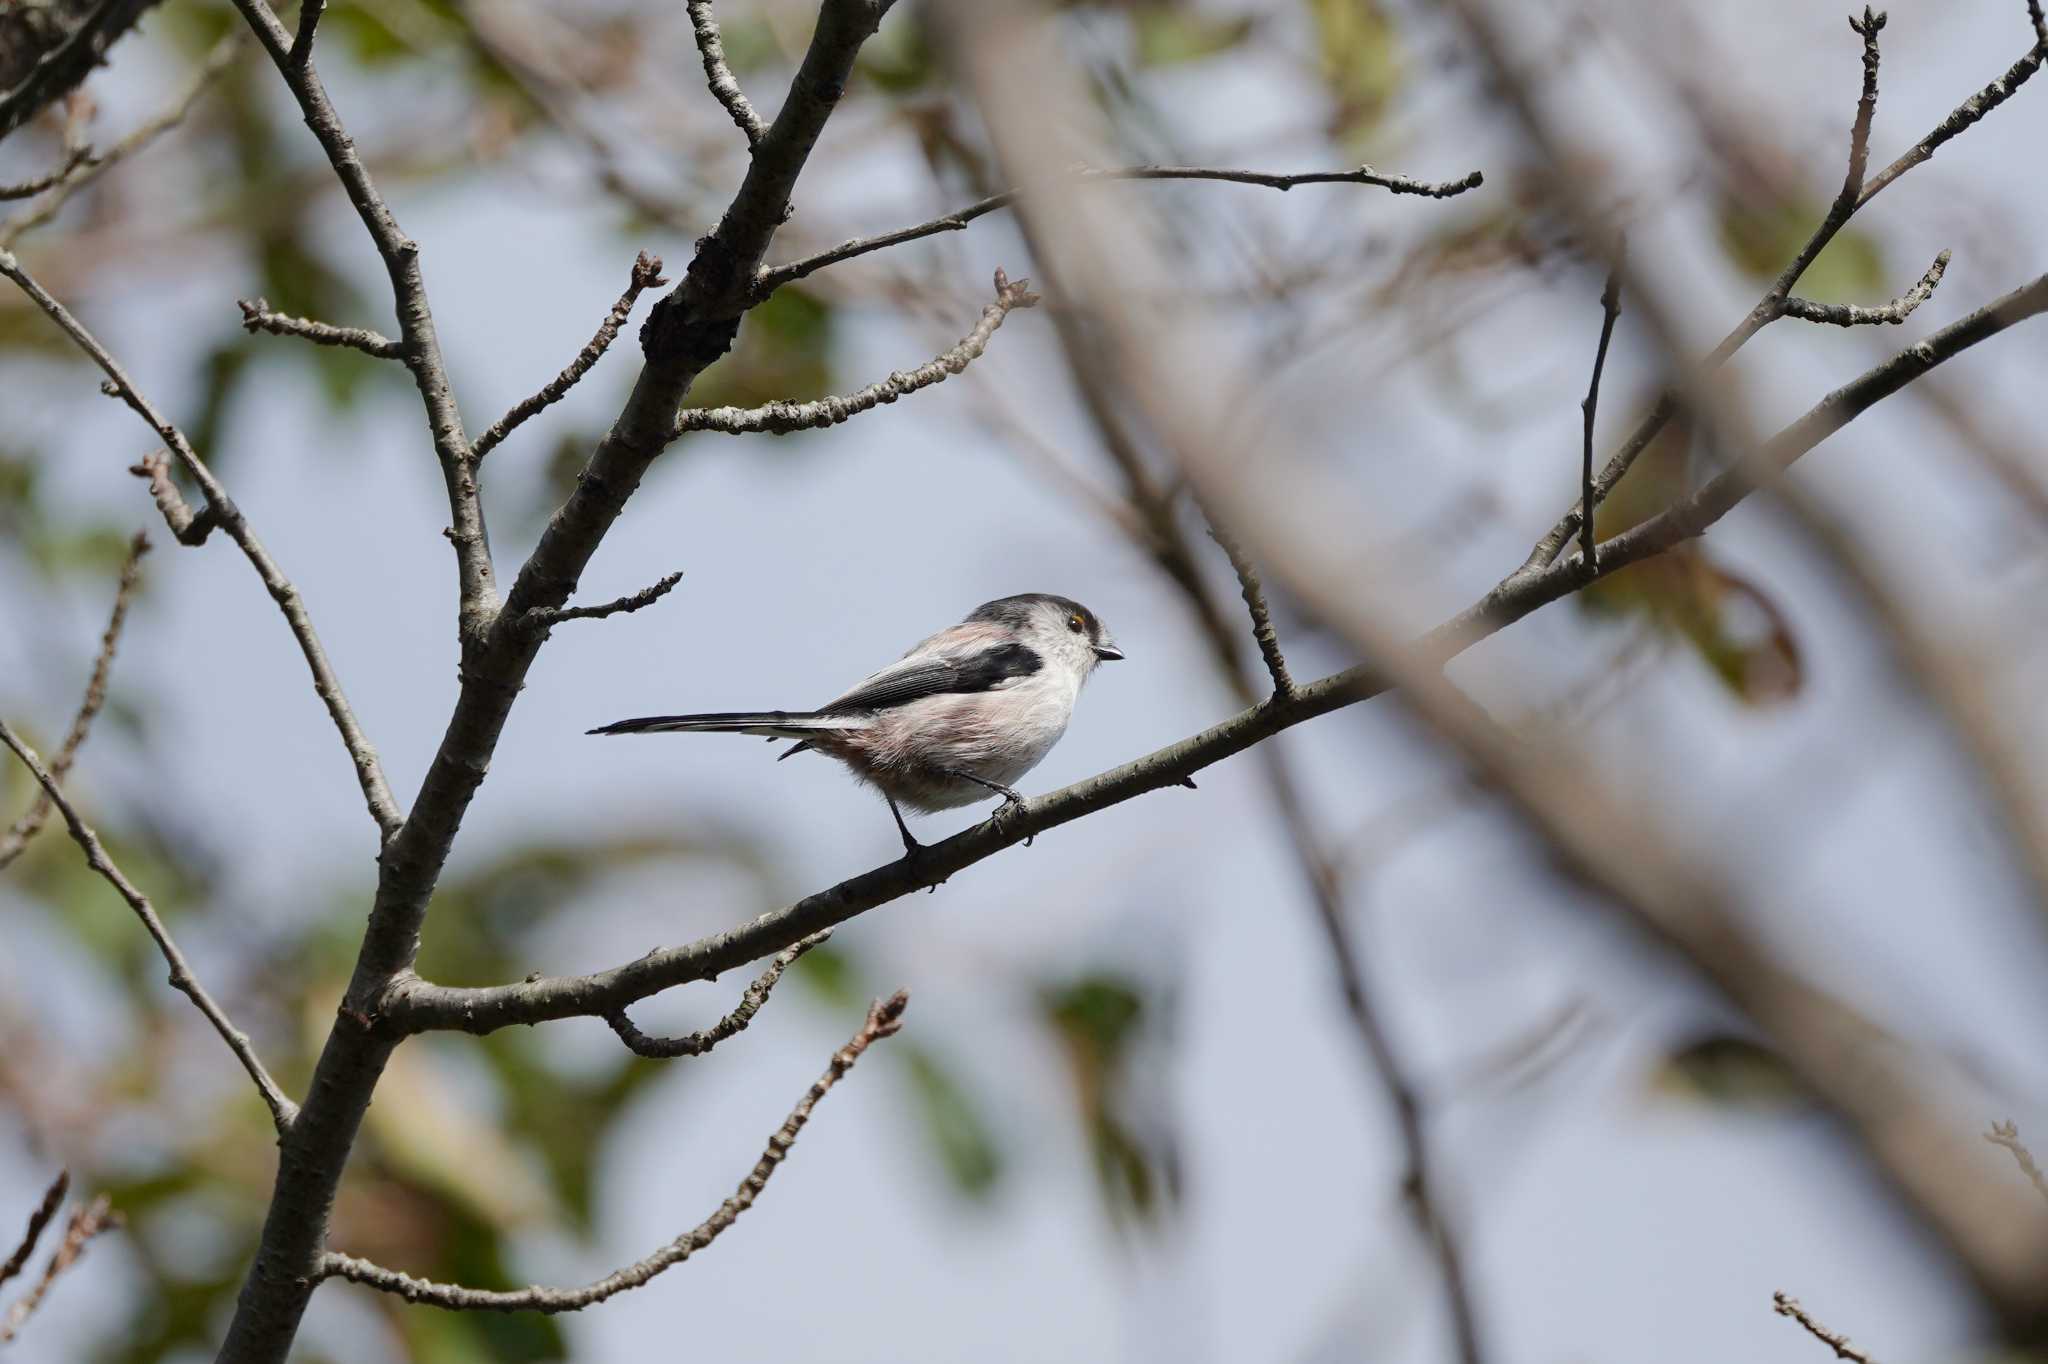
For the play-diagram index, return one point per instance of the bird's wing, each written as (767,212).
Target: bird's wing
(955,661)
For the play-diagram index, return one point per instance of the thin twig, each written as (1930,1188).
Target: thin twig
(217,61)
(258,317)
(53,1199)
(697,1043)
(31,822)
(1789,1307)
(84,1224)
(646,275)
(1254,594)
(27,189)
(546,617)
(774,277)
(220,509)
(884,1018)
(302,40)
(1848,315)
(1610,312)
(2007,1134)
(724,85)
(1770,307)
(783,418)
(282,1109)
(421,351)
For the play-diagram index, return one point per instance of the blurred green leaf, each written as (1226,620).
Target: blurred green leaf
(1728,1071)
(1167,36)
(1102,1019)
(1735,626)
(1763,238)
(1362,65)
(952,1122)
(783,354)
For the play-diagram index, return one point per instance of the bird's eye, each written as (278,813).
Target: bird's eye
(1075,624)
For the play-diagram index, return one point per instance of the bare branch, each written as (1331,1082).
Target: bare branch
(217,61)
(31,822)
(84,1224)
(883,1020)
(38,1221)
(309,21)
(783,418)
(697,1043)
(1610,312)
(220,510)
(1254,594)
(282,1110)
(543,618)
(724,86)
(1770,307)
(257,317)
(420,346)
(59,62)
(773,278)
(26,189)
(1789,1307)
(1847,315)
(2007,1134)
(187,527)
(646,275)
(416,1005)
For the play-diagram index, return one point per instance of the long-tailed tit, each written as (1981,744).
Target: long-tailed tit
(955,720)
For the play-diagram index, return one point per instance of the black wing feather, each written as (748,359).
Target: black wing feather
(983,671)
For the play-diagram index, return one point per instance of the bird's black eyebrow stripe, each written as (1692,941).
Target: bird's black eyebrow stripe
(984,671)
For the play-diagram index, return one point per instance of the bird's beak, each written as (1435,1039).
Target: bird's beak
(1108,652)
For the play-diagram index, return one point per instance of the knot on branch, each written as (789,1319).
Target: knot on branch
(674,334)
(189,527)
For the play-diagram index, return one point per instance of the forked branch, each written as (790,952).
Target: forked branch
(697,1043)
(883,1020)
(783,418)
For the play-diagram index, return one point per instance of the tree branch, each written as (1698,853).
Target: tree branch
(724,86)
(1610,313)
(1855,194)
(412,1005)
(282,1110)
(769,280)
(1254,594)
(32,820)
(191,528)
(217,61)
(883,1020)
(697,1043)
(1847,315)
(2007,1134)
(27,189)
(646,275)
(783,418)
(420,346)
(65,64)
(85,1223)
(38,1222)
(1789,1307)
(257,317)
(544,618)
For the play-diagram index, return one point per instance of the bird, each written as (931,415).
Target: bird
(957,719)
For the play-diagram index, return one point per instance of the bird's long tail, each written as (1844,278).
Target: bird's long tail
(774,724)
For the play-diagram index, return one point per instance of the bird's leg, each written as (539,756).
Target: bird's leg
(1012,798)
(910,845)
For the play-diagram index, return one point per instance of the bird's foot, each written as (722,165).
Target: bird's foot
(1013,803)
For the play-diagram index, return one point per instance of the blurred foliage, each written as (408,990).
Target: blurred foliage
(1726,1071)
(1732,624)
(1109,1029)
(1763,237)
